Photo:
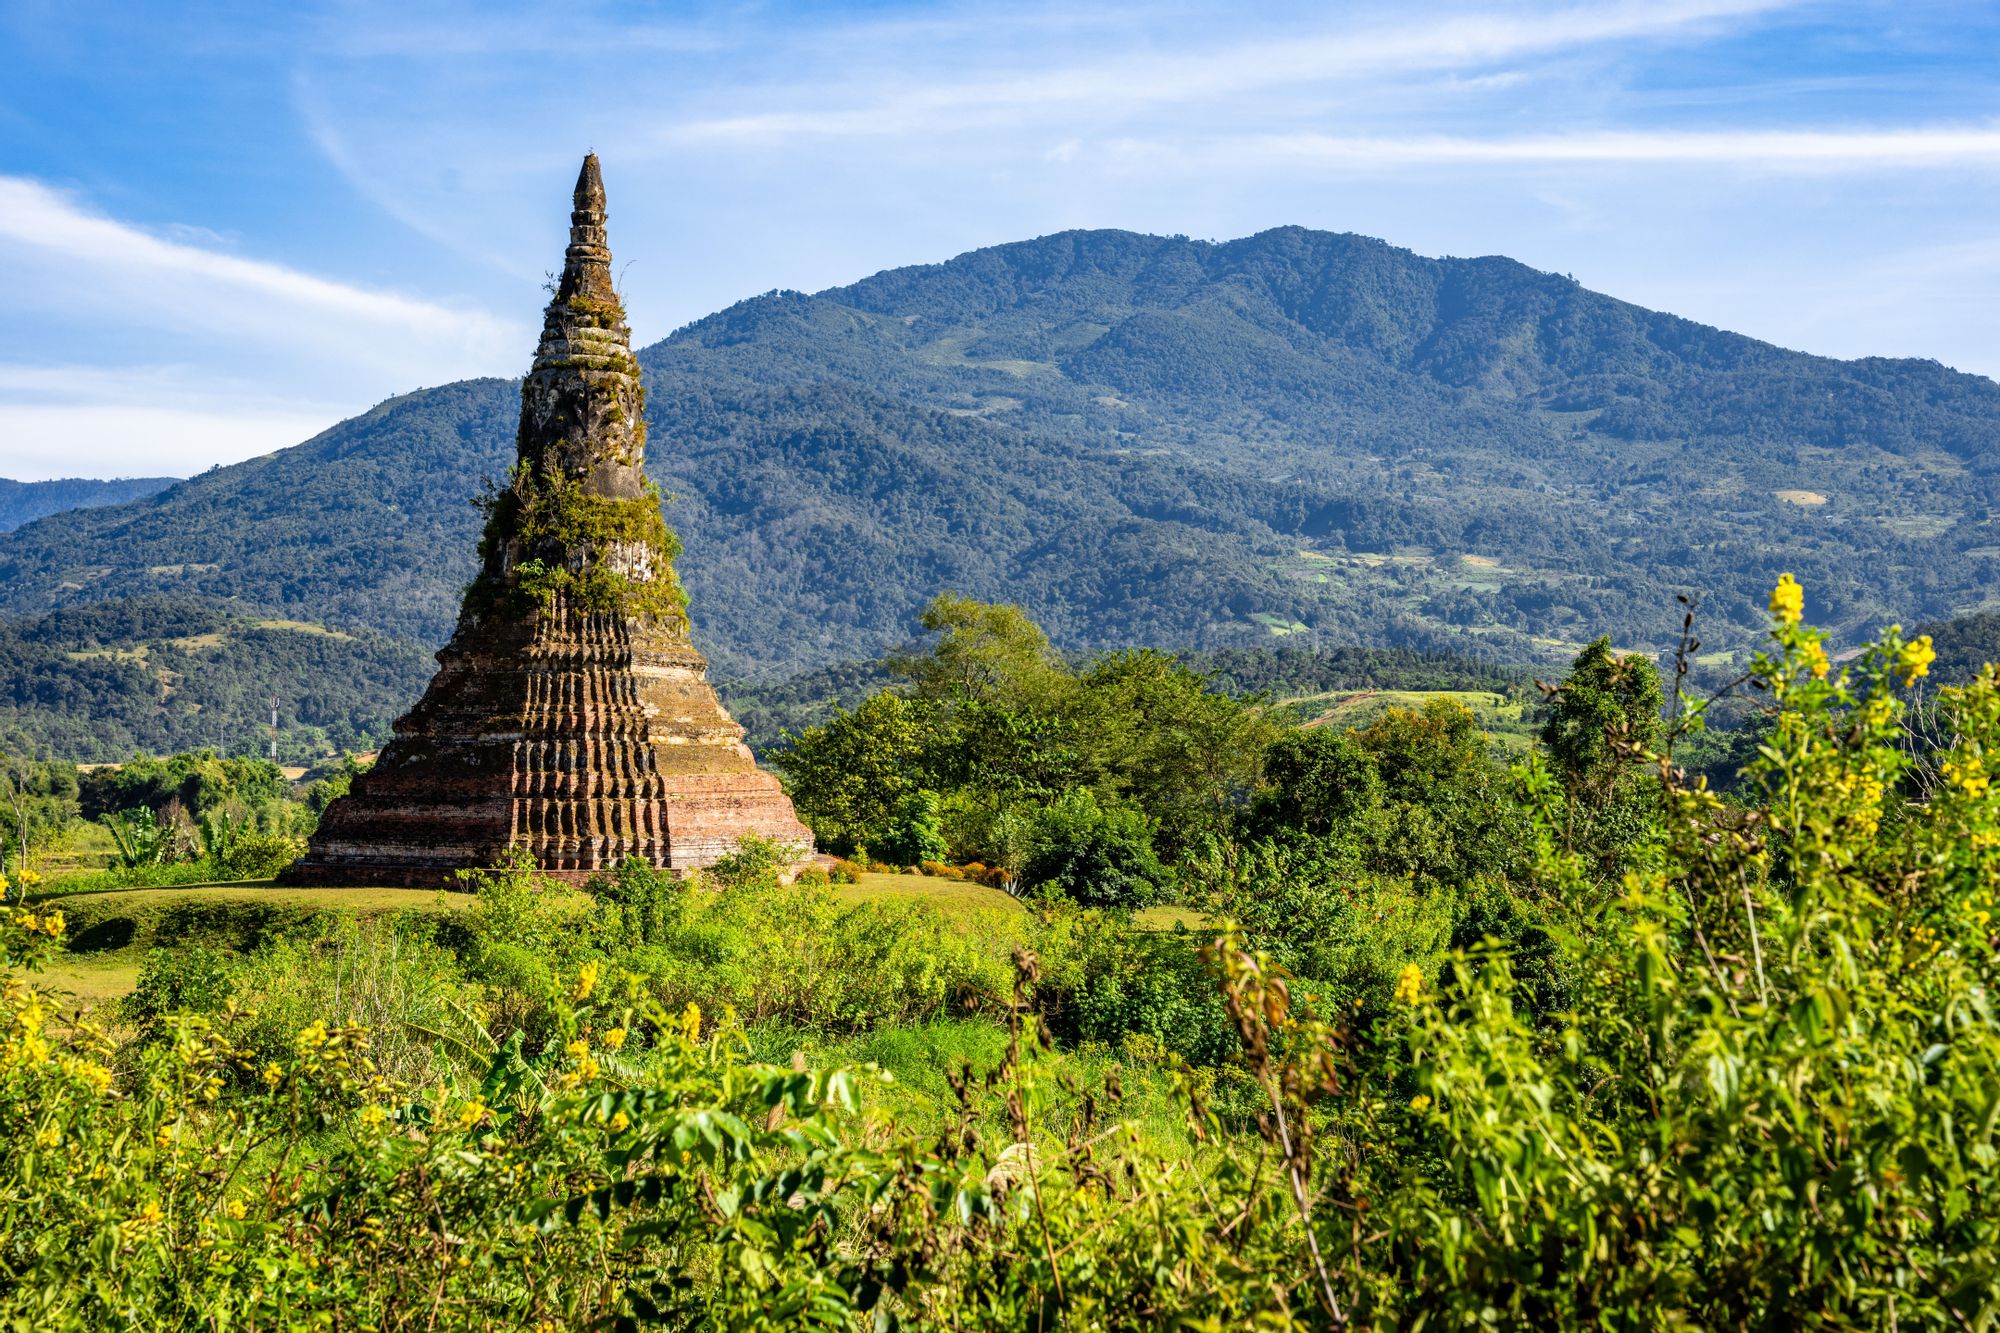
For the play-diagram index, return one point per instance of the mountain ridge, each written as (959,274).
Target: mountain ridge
(25,501)
(1152,439)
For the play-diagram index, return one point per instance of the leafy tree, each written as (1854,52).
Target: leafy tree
(985,653)
(1416,794)
(1602,719)
(1091,854)
(1170,743)
(913,832)
(1606,708)
(847,775)
(1318,780)
(38,801)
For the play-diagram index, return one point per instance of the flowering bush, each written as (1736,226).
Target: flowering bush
(1772,1100)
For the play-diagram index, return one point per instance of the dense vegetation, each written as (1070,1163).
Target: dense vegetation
(1156,441)
(1568,1043)
(100,681)
(180,819)
(25,501)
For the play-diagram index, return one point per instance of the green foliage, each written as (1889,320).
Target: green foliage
(989,653)
(198,782)
(1607,708)
(648,902)
(38,804)
(577,545)
(1091,854)
(1320,780)
(999,726)
(796,955)
(25,501)
(1415,796)
(914,831)
(1437,1075)
(847,775)
(1101,982)
(324,791)
(192,979)
(100,681)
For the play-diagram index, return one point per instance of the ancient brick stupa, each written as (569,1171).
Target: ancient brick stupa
(570,717)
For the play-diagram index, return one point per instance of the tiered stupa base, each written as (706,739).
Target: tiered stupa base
(579,740)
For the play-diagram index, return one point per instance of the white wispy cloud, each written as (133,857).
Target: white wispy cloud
(1443,42)
(204,356)
(37,217)
(1920,146)
(45,441)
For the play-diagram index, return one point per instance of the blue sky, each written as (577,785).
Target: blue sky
(223,227)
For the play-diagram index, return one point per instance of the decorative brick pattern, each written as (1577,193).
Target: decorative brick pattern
(580,731)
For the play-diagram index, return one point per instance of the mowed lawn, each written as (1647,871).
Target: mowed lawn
(112,930)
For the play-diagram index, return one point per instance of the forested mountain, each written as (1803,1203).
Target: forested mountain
(1157,440)
(101,681)
(25,501)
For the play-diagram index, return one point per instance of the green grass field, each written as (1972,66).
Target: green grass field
(112,930)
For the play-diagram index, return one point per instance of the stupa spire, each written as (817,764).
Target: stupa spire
(587,262)
(571,718)
(582,405)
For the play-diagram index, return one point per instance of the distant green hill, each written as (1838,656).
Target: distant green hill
(100,681)
(25,501)
(1153,440)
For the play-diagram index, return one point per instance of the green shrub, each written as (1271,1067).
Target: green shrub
(191,979)
(1102,981)
(257,855)
(391,977)
(795,954)
(913,831)
(1092,855)
(646,902)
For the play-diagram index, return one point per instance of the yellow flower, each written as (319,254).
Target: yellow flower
(27,877)
(1420,1102)
(165,1137)
(691,1021)
(586,1069)
(614,1039)
(96,1075)
(1968,778)
(374,1116)
(1914,661)
(471,1113)
(1410,985)
(586,980)
(312,1036)
(150,1213)
(273,1076)
(1815,657)
(235,1209)
(578,1048)
(1788,601)
(49,1138)
(619,1122)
